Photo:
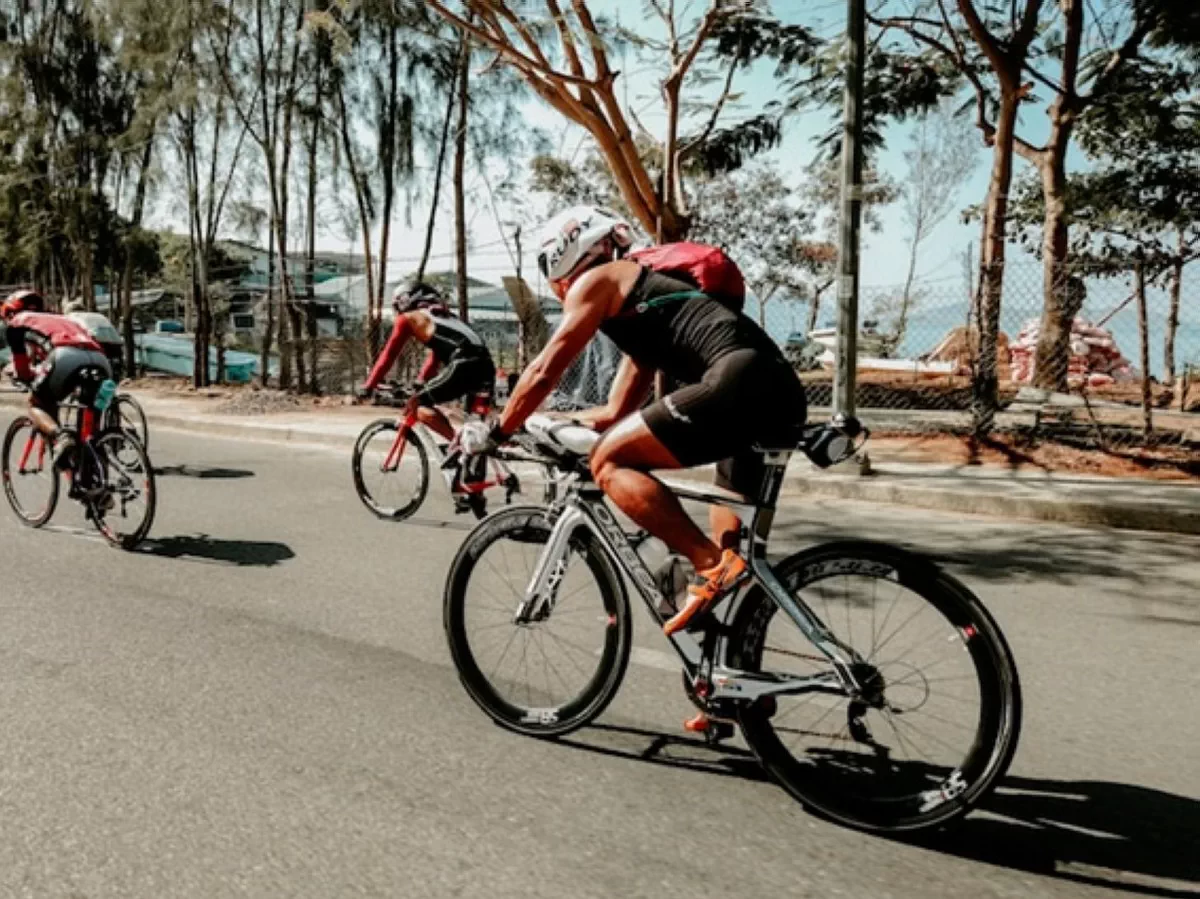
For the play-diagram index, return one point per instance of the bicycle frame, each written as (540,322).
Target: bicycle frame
(584,507)
(408,430)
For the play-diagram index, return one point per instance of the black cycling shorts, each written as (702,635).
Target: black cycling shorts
(66,369)
(747,398)
(463,377)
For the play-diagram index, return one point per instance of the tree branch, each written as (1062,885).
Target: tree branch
(1128,49)
(706,25)
(704,135)
(505,47)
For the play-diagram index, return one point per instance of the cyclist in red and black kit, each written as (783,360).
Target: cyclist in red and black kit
(54,356)
(458,365)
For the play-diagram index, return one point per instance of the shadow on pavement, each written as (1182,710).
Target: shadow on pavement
(203,472)
(202,548)
(1136,839)
(1130,838)
(672,751)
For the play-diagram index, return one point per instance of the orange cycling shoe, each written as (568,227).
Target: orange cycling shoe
(708,587)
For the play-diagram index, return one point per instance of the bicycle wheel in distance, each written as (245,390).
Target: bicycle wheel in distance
(31,482)
(391,486)
(124,509)
(544,678)
(127,413)
(938,722)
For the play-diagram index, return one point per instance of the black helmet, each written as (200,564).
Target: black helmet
(420,295)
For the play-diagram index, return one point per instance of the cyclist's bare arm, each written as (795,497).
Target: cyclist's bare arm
(592,298)
(629,388)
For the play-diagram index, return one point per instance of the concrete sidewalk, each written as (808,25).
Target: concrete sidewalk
(977,490)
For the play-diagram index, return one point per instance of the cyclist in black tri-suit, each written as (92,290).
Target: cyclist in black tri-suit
(458,365)
(739,390)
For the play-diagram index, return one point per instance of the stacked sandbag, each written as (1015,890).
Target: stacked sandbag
(1094,361)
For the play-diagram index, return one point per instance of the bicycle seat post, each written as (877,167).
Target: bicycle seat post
(774,467)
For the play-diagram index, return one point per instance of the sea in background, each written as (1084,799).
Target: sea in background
(935,314)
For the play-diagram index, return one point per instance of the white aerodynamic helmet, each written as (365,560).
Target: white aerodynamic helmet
(577,234)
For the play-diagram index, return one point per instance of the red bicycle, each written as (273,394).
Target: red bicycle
(392,469)
(109,474)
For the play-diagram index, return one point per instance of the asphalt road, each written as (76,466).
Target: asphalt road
(262,704)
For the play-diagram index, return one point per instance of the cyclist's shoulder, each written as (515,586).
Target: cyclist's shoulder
(606,286)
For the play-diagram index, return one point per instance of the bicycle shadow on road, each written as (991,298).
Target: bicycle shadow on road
(668,750)
(215,551)
(1120,836)
(203,472)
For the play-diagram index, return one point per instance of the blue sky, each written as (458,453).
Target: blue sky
(884,253)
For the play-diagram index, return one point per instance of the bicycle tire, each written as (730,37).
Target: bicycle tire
(100,517)
(997,731)
(32,521)
(136,416)
(529,524)
(387,513)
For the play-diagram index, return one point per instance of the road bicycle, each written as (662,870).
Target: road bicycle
(392,464)
(109,474)
(872,685)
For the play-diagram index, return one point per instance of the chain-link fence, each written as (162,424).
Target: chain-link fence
(1115,366)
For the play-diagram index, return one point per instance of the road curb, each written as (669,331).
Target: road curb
(881,489)
(1127,516)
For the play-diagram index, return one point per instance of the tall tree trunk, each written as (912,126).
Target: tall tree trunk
(1061,301)
(1176,289)
(387,165)
(814,308)
(985,399)
(1139,287)
(906,296)
(451,97)
(310,255)
(360,199)
(135,224)
(269,302)
(460,200)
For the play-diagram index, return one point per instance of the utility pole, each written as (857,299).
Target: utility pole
(846,365)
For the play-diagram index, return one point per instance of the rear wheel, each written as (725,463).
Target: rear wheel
(391,484)
(31,482)
(123,506)
(547,677)
(937,721)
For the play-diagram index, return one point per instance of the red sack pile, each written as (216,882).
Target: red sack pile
(1095,360)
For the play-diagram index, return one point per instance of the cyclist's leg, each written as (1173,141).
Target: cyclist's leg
(435,419)
(462,376)
(47,389)
(621,463)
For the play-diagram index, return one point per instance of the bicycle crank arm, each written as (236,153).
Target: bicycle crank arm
(746,686)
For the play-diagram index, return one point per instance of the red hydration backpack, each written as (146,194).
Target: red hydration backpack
(709,268)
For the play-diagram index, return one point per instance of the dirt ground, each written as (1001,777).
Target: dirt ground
(1168,464)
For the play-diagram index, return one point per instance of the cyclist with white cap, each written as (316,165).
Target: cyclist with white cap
(738,391)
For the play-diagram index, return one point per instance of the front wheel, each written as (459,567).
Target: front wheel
(31,481)
(936,722)
(391,471)
(544,677)
(123,506)
(126,413)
